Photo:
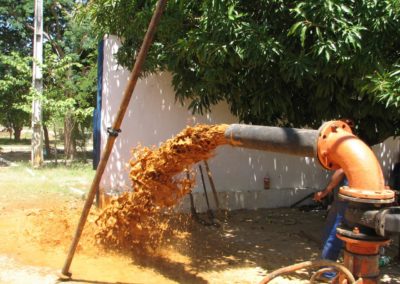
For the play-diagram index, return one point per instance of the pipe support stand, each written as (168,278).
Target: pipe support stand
(361,257)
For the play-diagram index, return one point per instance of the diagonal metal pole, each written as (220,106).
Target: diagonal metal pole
(113,132)
(211,180)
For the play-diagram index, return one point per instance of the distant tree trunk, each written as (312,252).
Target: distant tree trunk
(75,137)
(55,145)
(83,142)
(17,132)
(69,145)
(46,140)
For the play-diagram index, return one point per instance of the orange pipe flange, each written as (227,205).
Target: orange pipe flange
(338,147)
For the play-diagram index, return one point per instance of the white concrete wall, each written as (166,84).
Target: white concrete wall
(388,153)
(153,116)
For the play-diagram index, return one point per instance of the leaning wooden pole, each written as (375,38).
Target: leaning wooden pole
(114,130)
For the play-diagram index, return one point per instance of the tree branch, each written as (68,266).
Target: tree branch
(30,27)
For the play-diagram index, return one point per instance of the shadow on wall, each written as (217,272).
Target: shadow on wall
(388,154)
(243,169)
(238,175)
(153,116)
(114,80)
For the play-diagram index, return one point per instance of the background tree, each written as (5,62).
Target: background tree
(69,100)
(69,62)
(72,50)
(276,62)
(15,63)
(72,71)
(15,84)
(16,18)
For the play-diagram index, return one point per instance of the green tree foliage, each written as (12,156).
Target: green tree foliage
(70,78)
(16,24)
(69,88)
(15,84)
(69,64)
(15,65)
(292,63)
(385,86)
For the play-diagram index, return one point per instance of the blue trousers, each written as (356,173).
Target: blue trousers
(332,244)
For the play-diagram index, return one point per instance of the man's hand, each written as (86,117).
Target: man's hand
(318,196)
(336,178)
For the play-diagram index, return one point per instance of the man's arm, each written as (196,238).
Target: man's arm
(336,178)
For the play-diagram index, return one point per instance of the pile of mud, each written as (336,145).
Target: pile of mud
(158,182)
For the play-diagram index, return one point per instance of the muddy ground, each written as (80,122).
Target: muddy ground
(36,232)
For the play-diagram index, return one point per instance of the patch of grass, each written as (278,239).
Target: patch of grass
(22,179)
(75,170)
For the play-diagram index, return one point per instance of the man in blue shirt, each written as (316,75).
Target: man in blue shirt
(332,245)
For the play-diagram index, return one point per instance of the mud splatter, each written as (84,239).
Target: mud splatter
(158,183)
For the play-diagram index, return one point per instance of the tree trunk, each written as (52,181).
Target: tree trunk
(69,145)
(46,140)
(17,133)
(55,145)
(83,143)
(75,136)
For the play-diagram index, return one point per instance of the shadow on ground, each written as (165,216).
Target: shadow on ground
(247,242)
(25,156)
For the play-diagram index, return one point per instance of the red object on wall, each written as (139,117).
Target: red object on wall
(267,182)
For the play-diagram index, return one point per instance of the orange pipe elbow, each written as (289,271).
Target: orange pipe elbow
(338,147)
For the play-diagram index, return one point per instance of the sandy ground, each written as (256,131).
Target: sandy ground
(35,235)
(36,230)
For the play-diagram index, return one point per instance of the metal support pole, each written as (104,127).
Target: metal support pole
(211,180)
(361,256)
(204,188)
(114,131)
(37,82)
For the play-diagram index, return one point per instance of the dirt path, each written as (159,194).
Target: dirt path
(13,272)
